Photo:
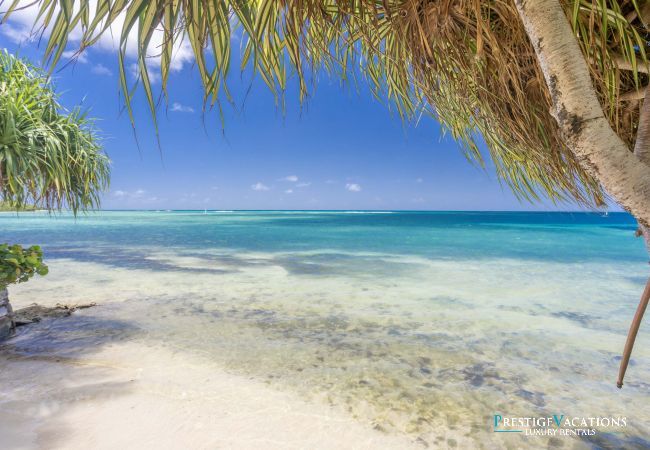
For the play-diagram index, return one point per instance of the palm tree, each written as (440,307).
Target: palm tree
(555,88)
(49,158)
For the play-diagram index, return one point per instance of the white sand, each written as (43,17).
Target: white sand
(128,396)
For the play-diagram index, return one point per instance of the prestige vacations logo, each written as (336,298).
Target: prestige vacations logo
(557,425)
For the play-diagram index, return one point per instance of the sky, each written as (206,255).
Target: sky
(341,149)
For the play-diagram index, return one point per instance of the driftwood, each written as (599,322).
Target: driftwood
(35,313)
(10,318)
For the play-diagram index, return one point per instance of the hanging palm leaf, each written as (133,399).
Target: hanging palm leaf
(468,62)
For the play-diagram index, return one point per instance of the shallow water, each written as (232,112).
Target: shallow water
(420,323)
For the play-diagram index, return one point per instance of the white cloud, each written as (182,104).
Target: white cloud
(259,186)
(291,178)
(289,191)
(177,107)
(20,28)
(139,197)
(17,33)
(419,180)
(303,185)
(353,187)
(128,194)
(100,69)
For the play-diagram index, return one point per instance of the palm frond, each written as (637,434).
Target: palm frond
(469,63)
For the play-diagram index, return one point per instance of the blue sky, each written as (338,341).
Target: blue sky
(342,149)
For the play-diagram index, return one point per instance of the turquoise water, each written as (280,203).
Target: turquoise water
(423,323)
(562,237)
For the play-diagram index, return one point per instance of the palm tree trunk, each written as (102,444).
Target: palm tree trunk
(586,131)
(575,106)
(7,326)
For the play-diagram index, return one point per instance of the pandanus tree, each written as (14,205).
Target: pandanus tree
(554,88)
(50,158)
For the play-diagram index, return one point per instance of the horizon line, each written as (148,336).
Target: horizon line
(357,210)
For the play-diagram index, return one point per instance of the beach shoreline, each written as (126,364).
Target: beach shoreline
(130,395)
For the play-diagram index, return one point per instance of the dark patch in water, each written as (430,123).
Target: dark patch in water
(536,398)
(615,441)
(340,264)
(619,357)
(229,260)
(296,267)
(582,319)
(517,309)
(638,385)
(477,374)
(121,258)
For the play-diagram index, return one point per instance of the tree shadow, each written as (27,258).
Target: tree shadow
(45,369)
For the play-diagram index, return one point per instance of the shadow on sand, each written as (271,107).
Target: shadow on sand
(48,367)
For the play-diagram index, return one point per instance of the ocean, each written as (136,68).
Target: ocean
(426,324)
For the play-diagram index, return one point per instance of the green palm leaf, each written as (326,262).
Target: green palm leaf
(48,157)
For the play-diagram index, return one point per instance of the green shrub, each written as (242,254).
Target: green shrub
(18,265)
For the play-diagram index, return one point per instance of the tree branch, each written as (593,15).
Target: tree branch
(575,105)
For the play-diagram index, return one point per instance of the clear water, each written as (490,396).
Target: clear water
(420,323)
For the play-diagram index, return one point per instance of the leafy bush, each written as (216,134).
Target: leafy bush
(18,265)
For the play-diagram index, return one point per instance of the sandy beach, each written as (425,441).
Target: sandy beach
(129,396)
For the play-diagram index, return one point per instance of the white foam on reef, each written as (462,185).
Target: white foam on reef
(366,349)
